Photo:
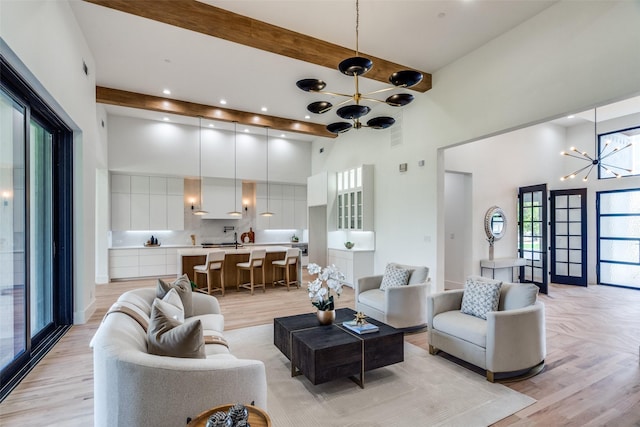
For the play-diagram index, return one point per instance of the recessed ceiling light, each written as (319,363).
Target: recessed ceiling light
(211,125)
(307,117)
(570,116)
(223,101)
(166,119)
(282,135)
(264,109)
(246,130)
(166,92)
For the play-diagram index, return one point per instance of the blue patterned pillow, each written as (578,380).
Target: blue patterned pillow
(480,297)
(394,277)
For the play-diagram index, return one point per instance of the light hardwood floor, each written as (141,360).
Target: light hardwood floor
(592,374)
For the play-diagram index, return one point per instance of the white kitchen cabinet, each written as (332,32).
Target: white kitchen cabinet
(355,199)
(157,185)
(144,262)
(353,264)
(221,196)
(317,189)
(144,203)
(175,212)
(288,204)
(139,184)
(140,211)
(121,184)
(120,211)
(158,211)
(175,186)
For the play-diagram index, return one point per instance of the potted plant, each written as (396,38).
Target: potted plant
(328,279)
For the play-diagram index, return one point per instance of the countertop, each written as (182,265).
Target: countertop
(231,250)
(251,245)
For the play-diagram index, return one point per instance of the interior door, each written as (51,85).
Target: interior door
(569,237)
(532,234)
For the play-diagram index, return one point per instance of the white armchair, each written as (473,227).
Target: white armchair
(511,340)
(403,307)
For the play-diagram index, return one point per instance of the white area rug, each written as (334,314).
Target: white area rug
(423,390)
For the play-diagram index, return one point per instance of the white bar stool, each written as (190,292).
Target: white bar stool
(290,259)
(214,263)
(256,260)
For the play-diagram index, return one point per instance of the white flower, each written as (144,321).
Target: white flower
(319,294)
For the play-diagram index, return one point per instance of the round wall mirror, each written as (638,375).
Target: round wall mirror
(495,223)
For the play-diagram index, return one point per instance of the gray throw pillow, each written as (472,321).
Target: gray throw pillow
(168,337)
(171,305)
(517,295)
(480,297)
(182,285)
(394,277)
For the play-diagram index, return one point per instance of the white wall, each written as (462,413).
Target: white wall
(149,147)
(558,62)
(530,156)
(49,44)
(458,228)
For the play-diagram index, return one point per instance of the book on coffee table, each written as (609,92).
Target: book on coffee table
(364,328)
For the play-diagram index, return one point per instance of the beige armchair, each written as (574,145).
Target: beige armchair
(403,307)
(511,341)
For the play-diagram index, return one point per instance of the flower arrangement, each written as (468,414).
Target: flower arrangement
(328,279)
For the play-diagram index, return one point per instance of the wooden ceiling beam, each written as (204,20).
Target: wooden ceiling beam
(123,98)
(213,21)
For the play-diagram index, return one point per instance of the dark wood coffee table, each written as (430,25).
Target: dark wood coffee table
(325,353)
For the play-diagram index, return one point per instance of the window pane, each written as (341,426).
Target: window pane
(620,250)
(619,226)
(620,274)
(12,231)
(40,175)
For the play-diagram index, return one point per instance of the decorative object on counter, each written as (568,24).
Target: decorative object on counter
(349,245)
(248,237)
(295,239)
(328,279)
(193,239)
(152,242)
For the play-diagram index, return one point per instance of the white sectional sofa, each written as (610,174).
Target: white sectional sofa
(135,388)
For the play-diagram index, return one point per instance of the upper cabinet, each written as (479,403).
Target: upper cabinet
(146,203)
(288,203)
(221,196)
(355,199)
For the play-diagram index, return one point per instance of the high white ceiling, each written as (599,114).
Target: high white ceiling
(144,56)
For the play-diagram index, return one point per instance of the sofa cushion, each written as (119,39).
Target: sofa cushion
(517,295)
(394,276)
(183,286)
(171,305)
(480,296)
(373,298)
(469,328)
(168,337)
(213,322)
(418,274)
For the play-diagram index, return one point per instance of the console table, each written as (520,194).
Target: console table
(499,264)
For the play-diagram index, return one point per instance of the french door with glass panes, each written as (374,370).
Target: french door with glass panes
(532,234)
(569,237)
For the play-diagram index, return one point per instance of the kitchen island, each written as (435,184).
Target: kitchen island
(188,258)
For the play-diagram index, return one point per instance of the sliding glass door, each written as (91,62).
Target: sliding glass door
(36,221)
(619,238)
(13,274)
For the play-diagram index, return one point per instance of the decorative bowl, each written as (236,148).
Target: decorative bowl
(349,245)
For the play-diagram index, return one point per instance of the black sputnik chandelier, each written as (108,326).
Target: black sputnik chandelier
(357,66)
(599,157)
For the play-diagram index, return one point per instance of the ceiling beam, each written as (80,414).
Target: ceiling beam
(123,98)
(213,21)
